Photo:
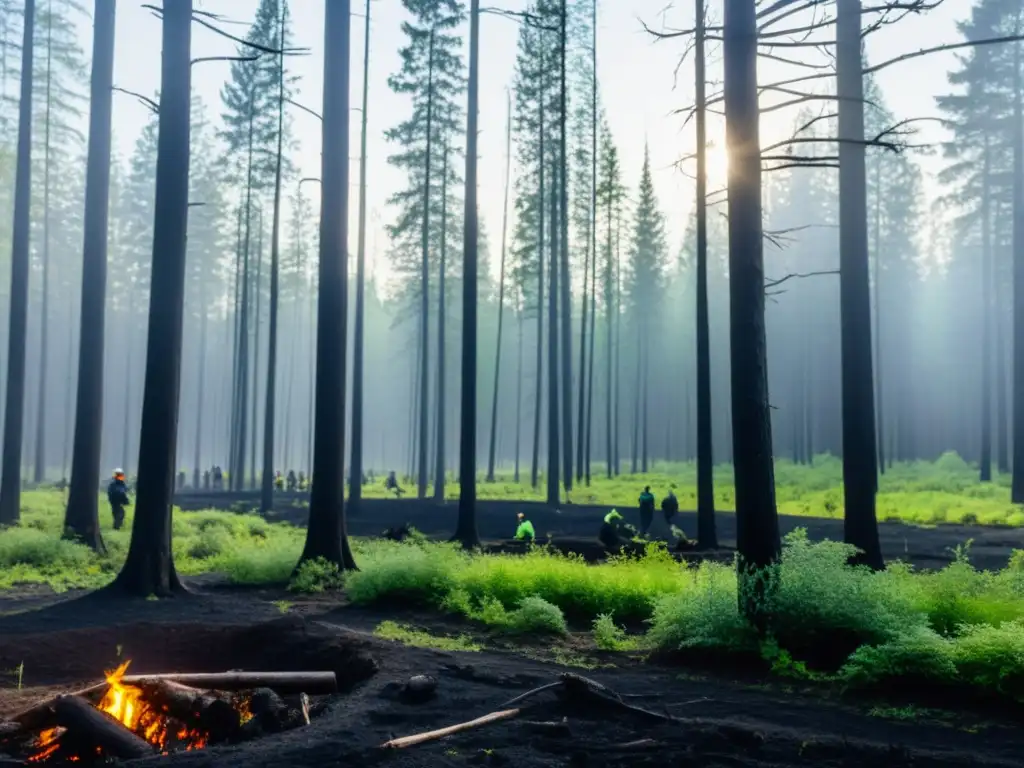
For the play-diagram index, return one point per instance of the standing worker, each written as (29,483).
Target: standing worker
(117,495)
(524,530)
(646,510)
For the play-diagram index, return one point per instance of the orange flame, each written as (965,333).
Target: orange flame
(125,703)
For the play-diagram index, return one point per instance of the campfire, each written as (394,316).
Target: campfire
(132,716)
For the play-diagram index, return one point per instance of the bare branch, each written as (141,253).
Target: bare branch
(797,276)
(203,59)
(145,100)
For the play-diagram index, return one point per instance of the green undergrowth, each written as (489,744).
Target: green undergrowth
(246,548)
(402,633)
(953,628)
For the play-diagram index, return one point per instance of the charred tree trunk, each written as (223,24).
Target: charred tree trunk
(539,389)
(519,387)
(466,531)
(1017,485)
(563,232)
(267,479)
(707,536)
(14,410)
(82,517)
(493,444)
(860,458)
(442,352)
(197,466)
(421,482)
(242,393)
(355,482)
(39,465)
(255,377)
(325,536)
(149,567)
(554,423)
(757,523)
(985,462)
(879,390)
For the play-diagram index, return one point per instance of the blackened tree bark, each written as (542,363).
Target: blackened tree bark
(757,523)
(563,233)
(267,478)
(466,532)
(421,482)
(554,424)
(39,464)
(325,536)
(539,368)
(985,463)
(81,519)
(442,352)
(860,448)
(14,416)
(355,481)
(493,444)
(149,567)
(707,536)
(1017,484)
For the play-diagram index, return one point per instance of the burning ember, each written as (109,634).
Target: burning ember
(137,716)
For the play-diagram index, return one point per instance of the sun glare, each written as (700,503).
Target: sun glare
(718,166)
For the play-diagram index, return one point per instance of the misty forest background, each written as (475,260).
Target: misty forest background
(941,274)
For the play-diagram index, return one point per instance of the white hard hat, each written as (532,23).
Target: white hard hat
(118,471)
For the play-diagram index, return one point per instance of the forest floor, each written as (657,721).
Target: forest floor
(729,719)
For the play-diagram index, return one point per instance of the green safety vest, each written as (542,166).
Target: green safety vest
(525,531)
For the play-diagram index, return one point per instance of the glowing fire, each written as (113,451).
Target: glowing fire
(125,703)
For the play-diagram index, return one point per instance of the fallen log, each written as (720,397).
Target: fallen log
(207,712)
(87,723)
(422,738)
(39,716)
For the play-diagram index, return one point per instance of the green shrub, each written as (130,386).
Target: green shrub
(536,615)
(314,576)
(609,636)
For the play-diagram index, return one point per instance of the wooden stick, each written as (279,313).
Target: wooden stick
(38,715)
(100,729)
(533,692)
(421,738)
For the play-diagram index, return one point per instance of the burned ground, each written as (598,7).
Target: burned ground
(729,722)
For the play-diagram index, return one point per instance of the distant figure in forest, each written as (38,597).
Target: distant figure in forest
(391,484)
(117,495)
(278,481)
(293,481)
(669,506)
(218,479)
(524,529)
(615,531)
(302,481)
(646,510)
(181,479)
(206,480)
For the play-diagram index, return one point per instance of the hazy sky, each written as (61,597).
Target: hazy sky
(636,79)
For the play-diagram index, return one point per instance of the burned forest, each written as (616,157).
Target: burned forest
(550,383)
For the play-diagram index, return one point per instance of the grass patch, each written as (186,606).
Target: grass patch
(946,490)
(406,635)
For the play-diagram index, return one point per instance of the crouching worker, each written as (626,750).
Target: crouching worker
(615,531)
(117,495)
(524,530)
(670,507)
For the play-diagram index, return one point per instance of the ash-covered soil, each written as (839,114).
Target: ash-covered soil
(732,723)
